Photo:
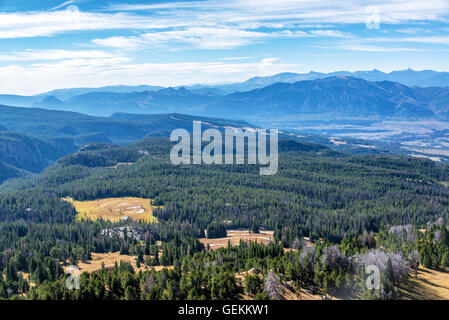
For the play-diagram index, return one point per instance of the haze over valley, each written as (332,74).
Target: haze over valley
(384,115)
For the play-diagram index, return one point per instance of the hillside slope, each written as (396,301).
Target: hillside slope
(32,138)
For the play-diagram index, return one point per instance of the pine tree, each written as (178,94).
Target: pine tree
(11,273)
(255,228)
(273,286)
(389,273)
(445,260)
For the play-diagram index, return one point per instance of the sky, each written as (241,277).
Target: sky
(51,44)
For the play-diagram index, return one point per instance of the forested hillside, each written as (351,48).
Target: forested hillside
(355,210)
(121,128)
(32,138)
(7,172)
(21,153)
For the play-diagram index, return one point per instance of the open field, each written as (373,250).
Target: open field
(122,164)
(236,235)
(115,209)
(109,259)
(430,285)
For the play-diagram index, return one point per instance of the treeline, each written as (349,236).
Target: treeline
(260,271)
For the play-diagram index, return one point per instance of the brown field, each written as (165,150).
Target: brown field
(121,164)
(430,285)
(109,259)
(236,235)
(115,209)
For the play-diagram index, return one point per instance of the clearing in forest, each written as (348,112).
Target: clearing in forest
(429,285)
(115,209)
(236,235)
(109,260)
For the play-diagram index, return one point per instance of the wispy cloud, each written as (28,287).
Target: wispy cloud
(231,14)
(64,4)
(322,11)
(429,39)
(210,38)
(111,52)
(40,55)
(373,48)
(106,71)
(42,24)
(234,58)
(202,38)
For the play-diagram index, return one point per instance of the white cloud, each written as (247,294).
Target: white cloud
(211,24)
(215,14)
(329,33)
(71,73)
(208,38)
(39,24)
(64,4)
(31,55)
(234,58)
(321,11)
(202,38)
(268,61)
(429,39)
(120,42)
(373,48)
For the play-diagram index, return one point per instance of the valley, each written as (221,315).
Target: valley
(365,188)
(417,138)
(402,112)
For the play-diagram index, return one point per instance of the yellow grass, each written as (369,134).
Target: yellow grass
(115,209)
(120,164)
(430,285)
(235,236)
(109,260)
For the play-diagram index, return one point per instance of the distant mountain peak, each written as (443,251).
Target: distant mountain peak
(50,102)
(51,99)
(180,92)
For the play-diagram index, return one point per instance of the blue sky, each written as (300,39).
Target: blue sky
(49,44)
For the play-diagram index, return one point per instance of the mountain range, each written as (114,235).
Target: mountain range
(338,96)
(106,103)
(323,98)
(409,77)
